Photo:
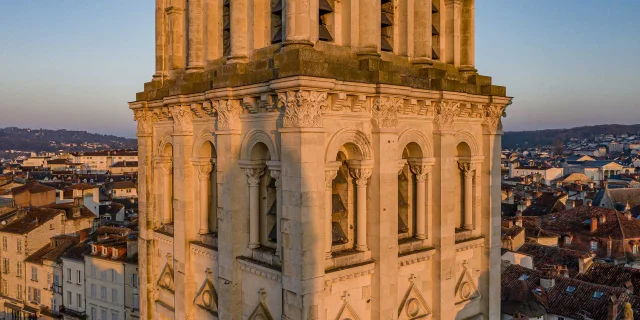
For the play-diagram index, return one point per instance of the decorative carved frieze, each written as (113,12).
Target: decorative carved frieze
(182,119)
(260,271)
(162,114)
(228,112)
(385,111)
(302,109)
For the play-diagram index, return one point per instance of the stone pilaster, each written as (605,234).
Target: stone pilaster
(183,211)
(303,187)
(145,208)
(369,28)
(231,180)
(297,22)
(254,170)
(382,231)
(161,27)
(330,173)
(453,11)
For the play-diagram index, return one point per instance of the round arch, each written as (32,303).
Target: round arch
(467,137)
(165,140)
(413,135)
(253,137)
(201,138)
(345,136)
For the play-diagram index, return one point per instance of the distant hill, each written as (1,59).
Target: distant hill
(37,140)
(514,139)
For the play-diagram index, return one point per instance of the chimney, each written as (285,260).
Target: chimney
(569,204)
(593,224)
(83,234)
(518,218)
(612,310)
(547,281)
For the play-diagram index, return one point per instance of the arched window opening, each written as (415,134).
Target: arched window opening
(276,21)
(435,30)
(386,25)
(326,20)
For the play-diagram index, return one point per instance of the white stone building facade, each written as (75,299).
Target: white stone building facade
(274,186)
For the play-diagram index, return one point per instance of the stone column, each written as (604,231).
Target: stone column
(274,169)
(453,13)
(330,173)
(239,31)
(468,172)
(422,32)
(166,169)
(161,70)
(297,23)
(196,36)
(468,32)
(369,27)
(254,172)
(176,34)
(204,176)
(421,171)
(361,173)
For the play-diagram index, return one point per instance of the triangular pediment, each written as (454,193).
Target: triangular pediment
(413,305)
(166,277)
(347,313)
(466,288)
(261,313)
(207,297)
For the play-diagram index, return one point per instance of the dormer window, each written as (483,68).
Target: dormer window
(104,251)
(570,289)
(115,253)
(594,245)
(597,294)
(94,249)
(567,240)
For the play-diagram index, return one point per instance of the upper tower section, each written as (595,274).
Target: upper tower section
(207,44)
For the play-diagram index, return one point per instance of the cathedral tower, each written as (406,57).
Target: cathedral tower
(318,159)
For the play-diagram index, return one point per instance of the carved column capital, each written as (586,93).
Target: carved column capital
(302,109)
(467,168)
(445,114)
(228,112)
(361,175)
(165,166)
(420,170)
(385,111)
(253,176)
(492,117)
(329,175)
(275,174)
(145,121)
(204,170)
(182,118)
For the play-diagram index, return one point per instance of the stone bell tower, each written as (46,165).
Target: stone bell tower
(318,159)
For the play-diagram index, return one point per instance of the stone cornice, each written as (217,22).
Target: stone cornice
(348,273)
(469,244)
(415,257)
(163,238)
(261,271)
(203,251)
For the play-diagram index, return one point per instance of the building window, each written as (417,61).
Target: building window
(136,301)
(103,293)
(567,240)
(114,316)
(635,249)
(5,265)
(134,280)
(103,314)
(36,295)
(386,25)
(69,275)
(79,298)
(78,277)
(34,274)
(594,245)
(93,271)
(20,291)
(114,276)
(93,291)
(114,296)
(4,243)
(103,275)
(94,314)
(19,269)
(19,246)
(69,298)
(326,20)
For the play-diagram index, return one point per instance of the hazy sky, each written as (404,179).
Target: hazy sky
(75,64)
